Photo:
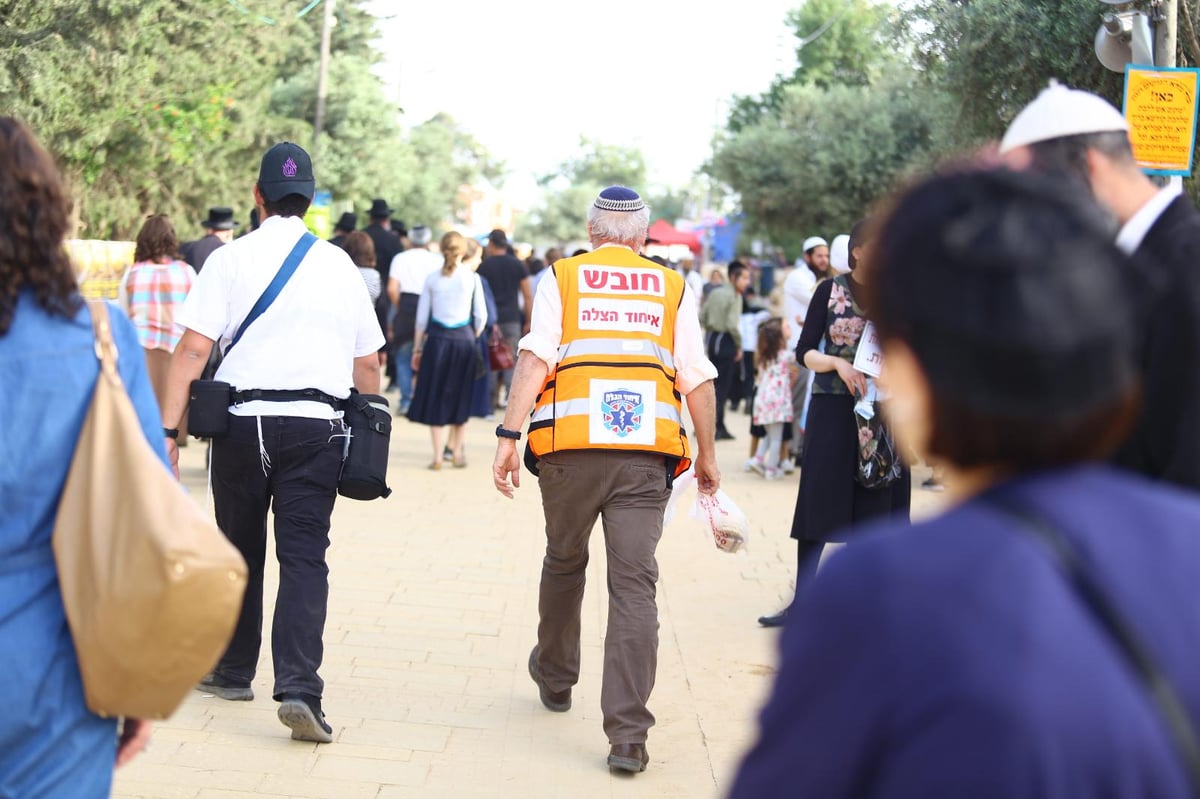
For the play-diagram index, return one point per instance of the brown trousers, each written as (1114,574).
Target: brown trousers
(628,490)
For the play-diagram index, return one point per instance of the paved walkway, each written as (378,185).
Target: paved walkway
(433,611)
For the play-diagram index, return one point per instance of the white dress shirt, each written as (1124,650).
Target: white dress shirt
(310,335)
(692,367)
(1132,233)
(798,290)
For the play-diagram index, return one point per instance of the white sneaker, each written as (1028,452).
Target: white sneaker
(787,466)
(773,474)
(754,465)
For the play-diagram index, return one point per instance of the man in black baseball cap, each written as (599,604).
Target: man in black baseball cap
(286,169)
(292,368)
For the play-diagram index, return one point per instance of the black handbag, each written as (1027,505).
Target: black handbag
(364,468)
(879,463)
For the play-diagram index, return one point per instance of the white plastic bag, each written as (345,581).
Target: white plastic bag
(716,513)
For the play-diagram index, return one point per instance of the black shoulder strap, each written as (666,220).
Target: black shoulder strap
(1162,691)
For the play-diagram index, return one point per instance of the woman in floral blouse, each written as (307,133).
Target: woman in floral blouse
(830,503)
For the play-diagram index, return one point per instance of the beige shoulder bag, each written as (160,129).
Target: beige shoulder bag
(152,589)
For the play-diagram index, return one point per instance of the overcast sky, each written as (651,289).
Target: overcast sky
(529,77)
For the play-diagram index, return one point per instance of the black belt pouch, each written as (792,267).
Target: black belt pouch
(364,469)
(208,408)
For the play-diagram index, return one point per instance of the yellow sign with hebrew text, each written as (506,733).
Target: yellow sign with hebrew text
(1160,106)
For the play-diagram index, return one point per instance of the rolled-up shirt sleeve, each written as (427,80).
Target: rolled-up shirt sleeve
(545,327)
(692,366)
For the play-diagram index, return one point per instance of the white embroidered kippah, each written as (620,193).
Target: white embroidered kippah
(619,198)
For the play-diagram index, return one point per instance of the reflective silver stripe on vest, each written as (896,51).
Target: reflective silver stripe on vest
(582,407)
(617,346)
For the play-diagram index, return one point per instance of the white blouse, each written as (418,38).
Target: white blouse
(452,300)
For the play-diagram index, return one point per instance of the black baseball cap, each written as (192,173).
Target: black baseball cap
(286,169)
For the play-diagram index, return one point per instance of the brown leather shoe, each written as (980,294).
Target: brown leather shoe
(628,757)
(558,701)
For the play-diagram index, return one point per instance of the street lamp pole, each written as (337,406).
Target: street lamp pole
(323,75)
(1166,25)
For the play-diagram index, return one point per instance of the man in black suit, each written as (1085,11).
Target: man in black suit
(387,247)
(1081,136)
(344,227)
(218,230)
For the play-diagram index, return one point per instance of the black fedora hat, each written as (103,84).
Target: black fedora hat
(348,221)
(219,219)
(379,208)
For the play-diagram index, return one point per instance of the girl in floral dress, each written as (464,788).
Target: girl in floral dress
(773,395)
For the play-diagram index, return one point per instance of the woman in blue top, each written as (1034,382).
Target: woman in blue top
(50,744)
(956,658)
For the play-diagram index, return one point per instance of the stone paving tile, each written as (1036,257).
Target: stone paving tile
(433,610)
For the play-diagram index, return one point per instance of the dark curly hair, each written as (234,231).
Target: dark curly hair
(35,215)
(156,240)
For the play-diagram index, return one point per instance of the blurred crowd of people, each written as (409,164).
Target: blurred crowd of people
(1027,322)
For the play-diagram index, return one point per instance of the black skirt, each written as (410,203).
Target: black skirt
(830,503)
(449,362)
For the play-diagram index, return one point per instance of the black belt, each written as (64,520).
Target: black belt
(286,395)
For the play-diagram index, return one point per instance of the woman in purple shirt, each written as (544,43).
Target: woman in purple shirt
(958,657)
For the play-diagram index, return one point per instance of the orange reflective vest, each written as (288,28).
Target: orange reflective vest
(614,384)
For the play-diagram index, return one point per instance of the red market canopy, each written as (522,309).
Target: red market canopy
(664,233)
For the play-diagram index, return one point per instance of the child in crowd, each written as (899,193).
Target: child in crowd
(773,395)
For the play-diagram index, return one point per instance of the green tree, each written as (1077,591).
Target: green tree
(826,159)
(994,56)
(839,42)
(149,106)
(447,158)
(361,154)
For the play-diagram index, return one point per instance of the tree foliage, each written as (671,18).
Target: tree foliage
(825,159)
(884,93)
(839,43)
(167,105)
(994,56)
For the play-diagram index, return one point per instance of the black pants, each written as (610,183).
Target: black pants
(300,481)
(721,351)
(808,557)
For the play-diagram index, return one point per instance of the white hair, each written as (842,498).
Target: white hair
(618,227)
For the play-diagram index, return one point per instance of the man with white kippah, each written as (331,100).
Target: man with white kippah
(614,345)
(811,268)
(1083,137)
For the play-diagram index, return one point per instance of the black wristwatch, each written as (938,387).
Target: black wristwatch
(515,435)
(171,432)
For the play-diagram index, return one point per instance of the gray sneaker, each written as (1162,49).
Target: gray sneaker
(305,718)
(225,689)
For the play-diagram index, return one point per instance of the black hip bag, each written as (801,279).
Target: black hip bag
(364,466)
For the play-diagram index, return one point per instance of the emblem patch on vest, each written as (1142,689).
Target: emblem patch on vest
(622,412)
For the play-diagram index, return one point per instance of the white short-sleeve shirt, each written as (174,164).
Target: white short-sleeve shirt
(310,335)
(412,267)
